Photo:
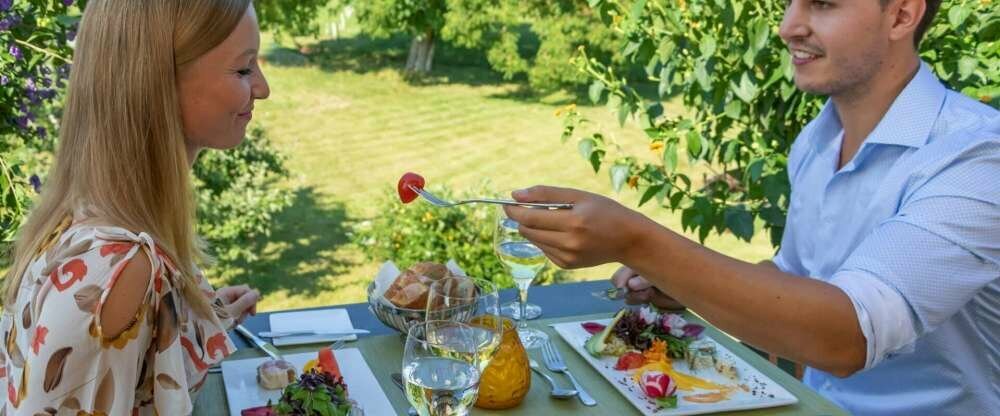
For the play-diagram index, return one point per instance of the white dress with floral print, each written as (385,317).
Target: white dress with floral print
(54,358)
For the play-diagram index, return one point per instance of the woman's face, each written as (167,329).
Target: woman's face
(218,89)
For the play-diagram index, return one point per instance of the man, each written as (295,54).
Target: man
(887,284)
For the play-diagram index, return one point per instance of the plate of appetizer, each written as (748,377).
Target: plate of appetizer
(665,365)
(328,382)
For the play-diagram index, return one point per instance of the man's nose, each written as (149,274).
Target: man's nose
(795,24)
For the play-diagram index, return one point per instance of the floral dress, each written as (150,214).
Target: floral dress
(54,358)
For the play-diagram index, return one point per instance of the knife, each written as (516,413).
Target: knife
(259,343)
(279,334)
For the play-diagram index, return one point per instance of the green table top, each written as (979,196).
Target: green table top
(384,355)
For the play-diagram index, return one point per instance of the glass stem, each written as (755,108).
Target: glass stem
(522,291)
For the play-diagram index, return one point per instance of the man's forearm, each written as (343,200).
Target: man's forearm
(803,319)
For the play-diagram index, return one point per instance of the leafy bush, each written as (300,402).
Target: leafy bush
(238,193)
(733,74)
(416,232)
(35,37)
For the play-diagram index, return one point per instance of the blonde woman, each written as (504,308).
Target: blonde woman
(104,311)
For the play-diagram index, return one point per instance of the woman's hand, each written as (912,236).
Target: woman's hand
(597,230)
(240,301)
(641,291)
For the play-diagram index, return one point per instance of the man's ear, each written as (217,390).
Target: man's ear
(905,16)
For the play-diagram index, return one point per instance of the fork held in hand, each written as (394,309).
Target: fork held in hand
(433,199)
(554,361)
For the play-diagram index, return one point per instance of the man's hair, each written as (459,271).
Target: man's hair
(925,22)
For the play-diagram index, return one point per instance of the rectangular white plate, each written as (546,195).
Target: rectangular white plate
(242,390)
(329,320)
(763,392)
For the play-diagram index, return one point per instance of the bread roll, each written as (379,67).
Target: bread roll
(410,289)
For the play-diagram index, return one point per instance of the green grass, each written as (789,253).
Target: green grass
(351,125)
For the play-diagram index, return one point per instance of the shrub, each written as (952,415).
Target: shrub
(239,190)
(415,232)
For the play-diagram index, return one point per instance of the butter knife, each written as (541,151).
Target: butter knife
(279,334)
(268,349)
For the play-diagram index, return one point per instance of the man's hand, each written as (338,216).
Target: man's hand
(641,291)
(240,301)
(597,230)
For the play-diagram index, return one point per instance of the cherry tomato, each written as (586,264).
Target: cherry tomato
(403,187)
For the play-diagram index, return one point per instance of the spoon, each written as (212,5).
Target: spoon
(557,392)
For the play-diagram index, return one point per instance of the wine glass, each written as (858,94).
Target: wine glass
(470,301)
(441,367)
(523,260)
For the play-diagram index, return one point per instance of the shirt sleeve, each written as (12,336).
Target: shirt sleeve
(70,364)
(919,268)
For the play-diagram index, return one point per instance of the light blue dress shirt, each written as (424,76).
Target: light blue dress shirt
(909,229)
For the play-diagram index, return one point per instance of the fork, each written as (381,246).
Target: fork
(555,363)
(433,199)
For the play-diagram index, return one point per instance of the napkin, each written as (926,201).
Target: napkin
(317,320)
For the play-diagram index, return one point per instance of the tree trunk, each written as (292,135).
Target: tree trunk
(421,56)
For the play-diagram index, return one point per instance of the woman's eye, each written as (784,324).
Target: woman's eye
(245,72)
(822,4)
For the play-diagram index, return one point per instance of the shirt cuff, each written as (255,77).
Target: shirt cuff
(883,314)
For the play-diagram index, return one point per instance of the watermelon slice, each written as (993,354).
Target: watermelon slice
(328,362)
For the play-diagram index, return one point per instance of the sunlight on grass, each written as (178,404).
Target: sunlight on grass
(351,125)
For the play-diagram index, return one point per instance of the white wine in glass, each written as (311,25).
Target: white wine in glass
(441,368)
(523,260)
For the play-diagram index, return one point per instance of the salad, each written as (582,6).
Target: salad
(646,344)
(319,391)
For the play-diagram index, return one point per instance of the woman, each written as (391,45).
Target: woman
(105,311)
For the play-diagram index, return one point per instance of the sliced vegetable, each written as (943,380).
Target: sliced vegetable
(593,327)
(630,361)
(328,362)
(597,343)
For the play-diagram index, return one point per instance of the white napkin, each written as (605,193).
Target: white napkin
(328,320)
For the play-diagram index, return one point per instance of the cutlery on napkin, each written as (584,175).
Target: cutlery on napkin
(319,326)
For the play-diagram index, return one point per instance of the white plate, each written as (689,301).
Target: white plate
(242,390)
(768,393)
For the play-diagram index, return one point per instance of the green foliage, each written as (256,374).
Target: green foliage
(506,30)
(416,232)
(238,194)
(732,72)
(294,17)
(34,50)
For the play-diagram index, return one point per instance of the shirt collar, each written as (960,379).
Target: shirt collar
(910,117)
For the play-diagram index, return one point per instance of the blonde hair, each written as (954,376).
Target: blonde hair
(121,142)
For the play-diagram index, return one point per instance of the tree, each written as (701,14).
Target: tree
(497,27)
(731,71)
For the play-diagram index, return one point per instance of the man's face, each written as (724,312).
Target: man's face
(837,46)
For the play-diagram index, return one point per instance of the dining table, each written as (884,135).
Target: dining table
(382,350)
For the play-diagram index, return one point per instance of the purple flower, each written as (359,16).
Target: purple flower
(15,51)
(36,183)
(4,80)
(29,84)
(22,122)
(42,133)
(5,5)
(71,35)
(67,3)
(5,24)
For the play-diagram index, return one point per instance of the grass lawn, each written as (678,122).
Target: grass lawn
(351,125)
